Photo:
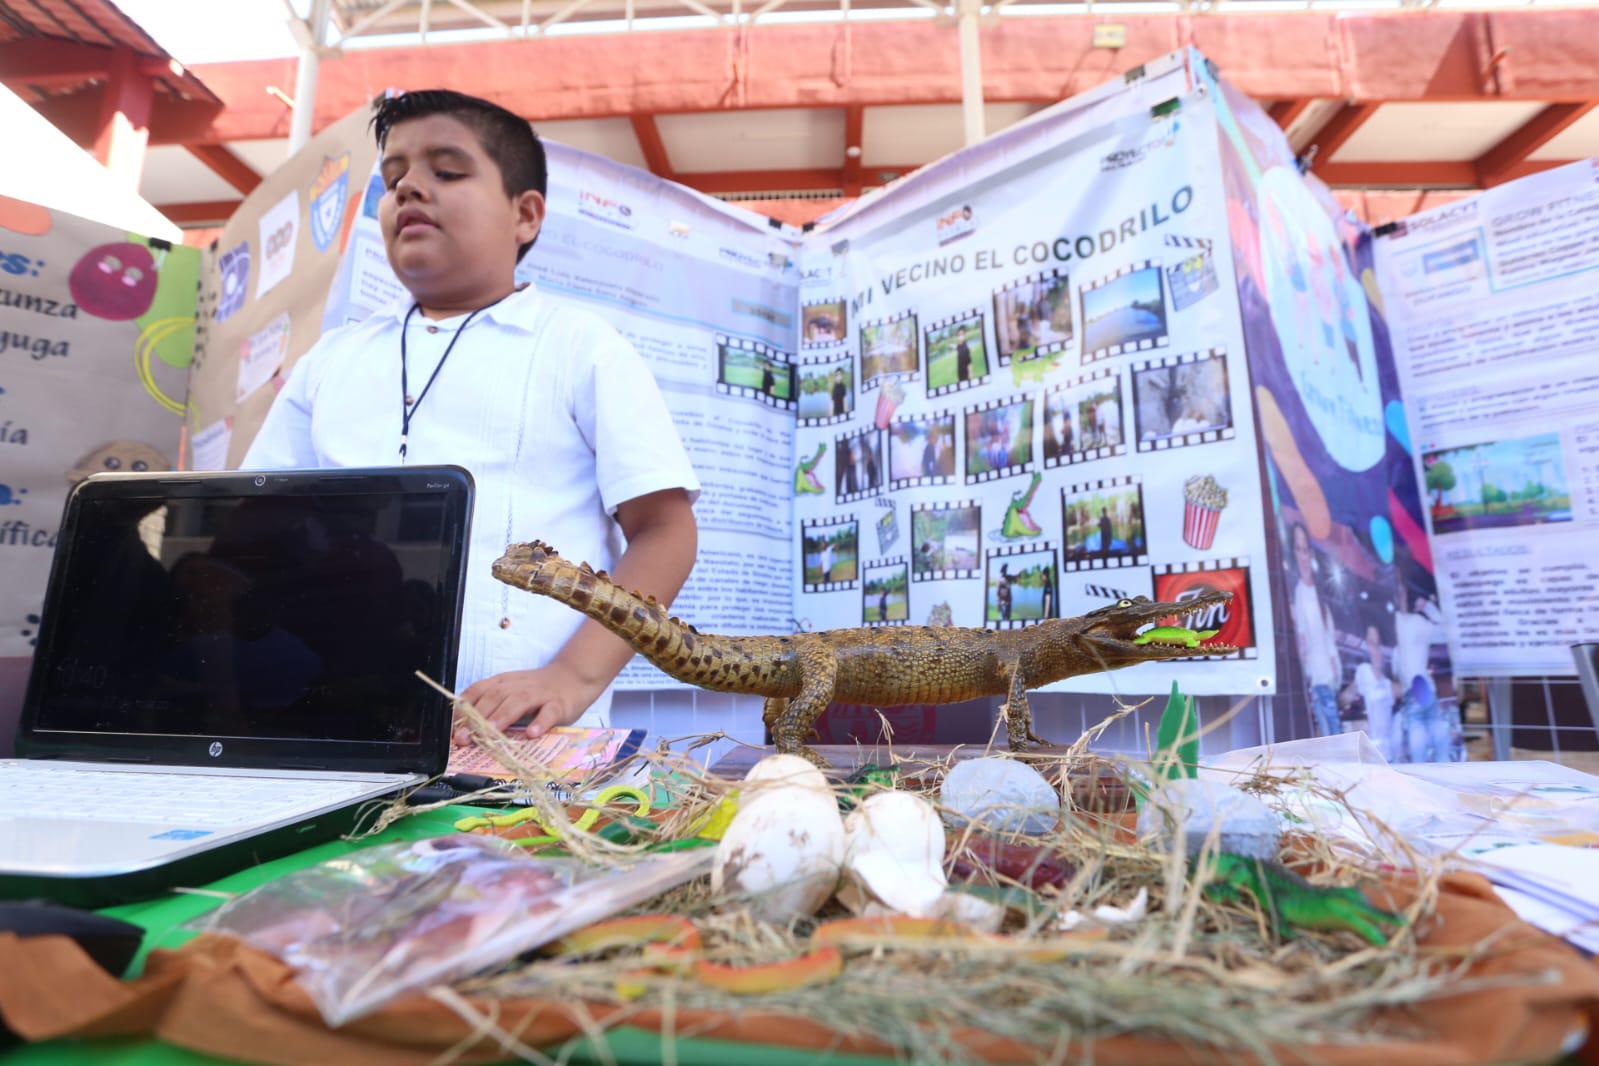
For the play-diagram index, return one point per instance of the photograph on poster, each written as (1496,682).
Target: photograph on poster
(831,550)
(1181,400)
(1498,484)
(947,540)
(824,323)
(1125,313)
(858,465)
(888,349)
(1193,278)
(921,451)
(1083,419)
(827,390)
(1022,586)
(999,439)
(1104,524)
(885,593)
(1032,317)
(747,368)
(957,355)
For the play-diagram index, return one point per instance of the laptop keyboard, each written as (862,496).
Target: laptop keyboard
(30,789)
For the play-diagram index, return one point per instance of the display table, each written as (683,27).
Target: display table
(165,916)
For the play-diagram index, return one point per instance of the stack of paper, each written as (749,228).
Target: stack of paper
(1552,886)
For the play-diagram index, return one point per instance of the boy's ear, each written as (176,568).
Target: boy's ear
(529,215)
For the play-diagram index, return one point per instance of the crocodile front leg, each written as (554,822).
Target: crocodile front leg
(1019,715)
(772,711)
(818,666)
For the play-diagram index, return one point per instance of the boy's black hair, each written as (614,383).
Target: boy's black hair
(508,139)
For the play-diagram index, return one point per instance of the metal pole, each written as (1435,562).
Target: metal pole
(971,71)
(306,75)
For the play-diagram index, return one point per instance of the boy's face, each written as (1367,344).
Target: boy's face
(448,225)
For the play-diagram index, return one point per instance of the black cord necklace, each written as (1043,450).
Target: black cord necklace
(407,407)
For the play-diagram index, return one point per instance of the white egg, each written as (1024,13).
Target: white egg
(784,770)
(783,850)
(894,855)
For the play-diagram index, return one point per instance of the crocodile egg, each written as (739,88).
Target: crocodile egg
(784,770)
(782,851)
(894,855)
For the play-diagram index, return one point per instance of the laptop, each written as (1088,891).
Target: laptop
(226,672)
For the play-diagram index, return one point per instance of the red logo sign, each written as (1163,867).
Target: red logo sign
(1231,618)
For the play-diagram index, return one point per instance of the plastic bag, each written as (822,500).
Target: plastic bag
(392,919)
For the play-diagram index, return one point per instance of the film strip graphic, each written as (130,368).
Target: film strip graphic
(928,421)
(867,598)
(890,375)
(872,438)
(1141,344)
(957,385)
(955,573)
(1105,592)
(726,344)
(1042,277)
(1003,471)
(1238,562)
(1197,244)
(826,527)
(1104,559)
(829,359)
(996,556)
(1059,393)
(840,331)
(1181,440)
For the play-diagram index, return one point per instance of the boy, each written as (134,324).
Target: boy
(553,412)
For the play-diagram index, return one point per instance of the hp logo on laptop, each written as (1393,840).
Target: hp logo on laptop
(215,749)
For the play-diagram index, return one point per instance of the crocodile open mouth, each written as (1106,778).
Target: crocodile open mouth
(1142,629)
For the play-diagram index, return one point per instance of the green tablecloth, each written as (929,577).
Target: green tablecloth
(165,916)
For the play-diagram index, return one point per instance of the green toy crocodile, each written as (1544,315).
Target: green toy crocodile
(1291,902)
(1018,523)
(1188,638)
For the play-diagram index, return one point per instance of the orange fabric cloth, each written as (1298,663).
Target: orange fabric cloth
(221,997)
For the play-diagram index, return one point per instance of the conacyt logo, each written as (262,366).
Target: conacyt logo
(953,225)
(1126,157)
(603,209)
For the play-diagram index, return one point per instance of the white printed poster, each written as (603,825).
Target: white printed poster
(1494,304)
(1015,406)
(261,354)
(280,227)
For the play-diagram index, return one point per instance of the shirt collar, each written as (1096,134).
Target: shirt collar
(517,310)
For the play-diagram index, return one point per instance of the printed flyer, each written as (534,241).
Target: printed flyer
(1495,314)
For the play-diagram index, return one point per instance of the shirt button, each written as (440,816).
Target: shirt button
(505,623)
(433,329)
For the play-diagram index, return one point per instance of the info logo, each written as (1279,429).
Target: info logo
(215,749)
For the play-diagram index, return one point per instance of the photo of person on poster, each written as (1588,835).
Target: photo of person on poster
(1376,690)
(1418,625)
(1316,639)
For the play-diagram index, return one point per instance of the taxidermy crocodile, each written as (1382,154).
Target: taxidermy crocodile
(886,667)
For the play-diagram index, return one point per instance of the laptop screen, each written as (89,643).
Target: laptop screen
(275,616)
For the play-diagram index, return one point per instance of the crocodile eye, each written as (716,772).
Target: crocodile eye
(1125,603)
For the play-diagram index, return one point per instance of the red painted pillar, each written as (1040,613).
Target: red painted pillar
(123,128)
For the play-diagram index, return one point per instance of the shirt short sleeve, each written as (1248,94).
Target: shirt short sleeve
(619,410)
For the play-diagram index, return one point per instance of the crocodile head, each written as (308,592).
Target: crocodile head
(1106,635)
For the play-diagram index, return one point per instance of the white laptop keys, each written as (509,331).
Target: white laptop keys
(226,671)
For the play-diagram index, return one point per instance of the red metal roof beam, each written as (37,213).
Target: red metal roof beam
(227,166)
(1337,130)
(200,212)
(651,144)
(1286,112)
(51,63)
(1500,163)
(854,152)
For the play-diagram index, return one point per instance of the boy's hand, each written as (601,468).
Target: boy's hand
(552,695)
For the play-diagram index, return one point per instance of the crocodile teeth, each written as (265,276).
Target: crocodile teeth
(1145,628)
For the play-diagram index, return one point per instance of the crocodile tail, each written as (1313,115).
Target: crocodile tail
(670,643)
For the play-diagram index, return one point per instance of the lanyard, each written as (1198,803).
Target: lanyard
(408,408)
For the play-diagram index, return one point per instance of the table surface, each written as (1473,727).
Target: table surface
(165,916)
